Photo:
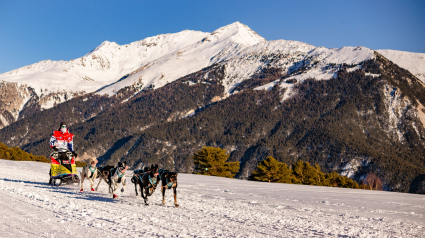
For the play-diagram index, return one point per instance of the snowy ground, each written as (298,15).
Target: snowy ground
(209,207)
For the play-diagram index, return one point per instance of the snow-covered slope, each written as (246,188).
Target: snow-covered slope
(209,207)
(104,65)
(291,56)
(414,62)
(215,47)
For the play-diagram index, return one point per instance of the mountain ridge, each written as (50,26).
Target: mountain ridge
(156,61)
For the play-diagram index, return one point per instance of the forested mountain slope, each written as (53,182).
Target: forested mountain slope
(353,124)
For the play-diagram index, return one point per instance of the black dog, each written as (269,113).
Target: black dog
(147,179)
(103,173)
(117,176)
(137,175)
(169,180)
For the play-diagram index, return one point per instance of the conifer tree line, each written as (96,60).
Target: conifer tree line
(214,161)
(17,154)
(271,170)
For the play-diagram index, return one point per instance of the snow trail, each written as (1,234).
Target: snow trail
(209,207)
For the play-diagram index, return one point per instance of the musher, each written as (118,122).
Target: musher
(62,141)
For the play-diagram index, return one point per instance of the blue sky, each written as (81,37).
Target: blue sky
(31,31)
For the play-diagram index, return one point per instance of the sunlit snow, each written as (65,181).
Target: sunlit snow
(209,207)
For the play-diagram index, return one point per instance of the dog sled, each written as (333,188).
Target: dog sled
(63,169)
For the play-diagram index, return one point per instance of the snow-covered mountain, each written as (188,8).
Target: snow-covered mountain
(47,83)
(414,62)
(104,65)
(218,46)
(156,61)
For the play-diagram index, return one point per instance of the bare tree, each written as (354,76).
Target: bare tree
(372,182)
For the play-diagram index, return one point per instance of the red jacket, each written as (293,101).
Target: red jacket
(62,141)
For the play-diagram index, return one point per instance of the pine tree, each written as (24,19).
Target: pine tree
(307,174)
(298,169)
(268,170)
(286,175)
(212,161)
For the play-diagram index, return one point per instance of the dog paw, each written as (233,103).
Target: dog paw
(92,190)
(114,196)
(176,205)
(81,190)
(122,190)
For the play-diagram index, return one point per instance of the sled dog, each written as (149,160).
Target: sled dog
(168,181)
(117,176)
(147,181)
(90,171)
(103,173)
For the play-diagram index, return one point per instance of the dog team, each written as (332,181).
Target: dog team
(148,179)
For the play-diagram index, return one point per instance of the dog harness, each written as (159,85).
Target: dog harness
(92,169)
(119,173)
(151,180)
(169,184)
(167,180)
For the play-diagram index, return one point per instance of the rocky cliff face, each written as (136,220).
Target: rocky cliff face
(13,98)
(18,101)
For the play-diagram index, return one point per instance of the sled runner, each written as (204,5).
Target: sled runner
(63,168)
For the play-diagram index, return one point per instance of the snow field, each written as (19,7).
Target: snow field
(209,207)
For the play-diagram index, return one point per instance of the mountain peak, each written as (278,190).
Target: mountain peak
(105,45)
(238,33)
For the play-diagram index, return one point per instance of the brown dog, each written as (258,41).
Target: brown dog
(168,181)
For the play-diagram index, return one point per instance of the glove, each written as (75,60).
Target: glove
(55,148)
(75,154)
